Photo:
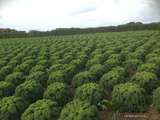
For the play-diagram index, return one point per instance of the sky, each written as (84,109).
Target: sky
(50,14)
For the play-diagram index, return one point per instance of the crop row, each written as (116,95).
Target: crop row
(76,77)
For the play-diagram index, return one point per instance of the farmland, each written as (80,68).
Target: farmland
(76,77)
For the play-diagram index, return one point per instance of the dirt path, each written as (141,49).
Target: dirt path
(151,114)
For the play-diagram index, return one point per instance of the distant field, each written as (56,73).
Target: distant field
(80,77)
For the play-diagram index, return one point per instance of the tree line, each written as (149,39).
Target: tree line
(132,26)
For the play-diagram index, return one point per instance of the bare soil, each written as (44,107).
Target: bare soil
(151,114)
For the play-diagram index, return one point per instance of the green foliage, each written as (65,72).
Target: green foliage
(96,52)
(13,63)
(115,57)
(97,70)
(90,92)
(15,78)
(146,80)
(129,97)
(2,63)
(131,26)
(124,54)
(42,110)
(149,67)
(154,60)
(56,67)
(6,89)
(12,107)
(58,92)
(79,110)
(112,78)
(57,76)
(69,71)
(110,63)
(141,54)
(150,56)
(4,71)
(83,57)
(105,104)
(43,63)
(24,68)
(72,62)
(67,58)
(82,78)
(29,90)
(27,58)
(78,63)
(131,65)
(38,76)
(156,98)
(37,68)
(29,62)
(92,62)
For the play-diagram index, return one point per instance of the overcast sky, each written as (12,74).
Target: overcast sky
(51,14)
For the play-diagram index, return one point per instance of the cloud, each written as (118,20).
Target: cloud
(154,6)
(50,14)
(155,3)
(83,10)
(4,2)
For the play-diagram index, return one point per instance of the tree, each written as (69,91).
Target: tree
(156,98)
(37,68)
(131,66)
(38,76)
(24,68)
(146,80)
(43,109)
(82,78)
(97,70)
(6,89)
(79,110)
(29,90)
(12,107)
(56,67)
(129,97)
(5,71)
(57,76)
(112,78)
(90,92)
(58,92)
(110,63)
(149,67)
(92,62)
(15,78)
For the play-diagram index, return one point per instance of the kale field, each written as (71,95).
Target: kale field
(79,77)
